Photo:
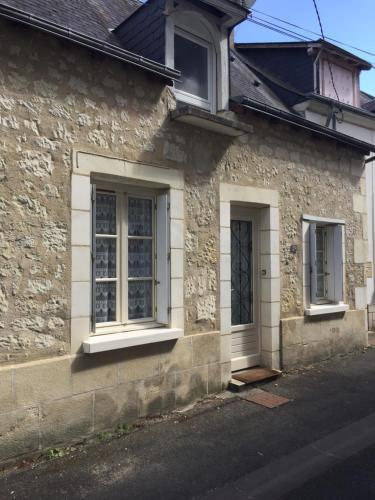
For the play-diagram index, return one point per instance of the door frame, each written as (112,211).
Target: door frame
(251,214)
(267,201)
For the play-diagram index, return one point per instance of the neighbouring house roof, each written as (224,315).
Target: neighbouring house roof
(313,44)
(245,82)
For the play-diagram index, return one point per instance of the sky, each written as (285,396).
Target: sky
(345,20)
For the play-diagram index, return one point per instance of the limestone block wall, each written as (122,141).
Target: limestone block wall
(312,339)
(61,400)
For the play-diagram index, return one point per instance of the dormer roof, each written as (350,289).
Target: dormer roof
(313,46)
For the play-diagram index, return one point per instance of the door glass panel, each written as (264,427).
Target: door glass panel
(242,270)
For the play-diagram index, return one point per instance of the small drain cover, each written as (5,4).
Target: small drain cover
(264,398)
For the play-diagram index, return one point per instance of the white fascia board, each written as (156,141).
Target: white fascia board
(318,310)
(326,220)
(348,116)
(112,341)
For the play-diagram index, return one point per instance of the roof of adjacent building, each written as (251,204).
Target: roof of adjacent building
(314,44)
(247,83)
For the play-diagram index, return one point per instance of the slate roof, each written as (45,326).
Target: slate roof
(94,18)
(246,83)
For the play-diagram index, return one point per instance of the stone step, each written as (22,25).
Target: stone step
(240,380)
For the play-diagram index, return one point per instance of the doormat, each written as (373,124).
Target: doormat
(264,398)
(255,375)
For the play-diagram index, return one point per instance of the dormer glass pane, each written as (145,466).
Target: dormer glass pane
(191,59)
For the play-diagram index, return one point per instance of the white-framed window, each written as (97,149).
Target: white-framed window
(194,57)
(130,257)
(324,263)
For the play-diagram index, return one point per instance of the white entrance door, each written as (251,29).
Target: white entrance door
(245,343)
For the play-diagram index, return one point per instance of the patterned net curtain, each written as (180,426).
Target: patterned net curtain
(140,258)
(106,254)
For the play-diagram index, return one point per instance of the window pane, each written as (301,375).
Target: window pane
(139,217)
(320,292)
(319,239)
(241,263)
(140,258)
(105,304)
(105,258)
(140,299)
(105,213)
(192,60)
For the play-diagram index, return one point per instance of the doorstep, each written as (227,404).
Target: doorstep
(240,380)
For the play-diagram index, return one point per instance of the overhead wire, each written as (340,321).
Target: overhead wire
(328,60)
(309,31)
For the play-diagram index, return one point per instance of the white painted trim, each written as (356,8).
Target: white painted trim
(101,343)
(315,310)
(326,220)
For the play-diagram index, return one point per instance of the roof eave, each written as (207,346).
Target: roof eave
(22,17)
(297,120)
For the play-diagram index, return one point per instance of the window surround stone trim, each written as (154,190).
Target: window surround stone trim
(85,165)
(267,201)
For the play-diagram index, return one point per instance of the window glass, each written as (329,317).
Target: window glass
(105,304)
(105,258)
(191,59)
(140,258)
(321,250)
(105,213)
(241,277)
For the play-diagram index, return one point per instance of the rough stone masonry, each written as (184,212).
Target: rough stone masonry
(55,97)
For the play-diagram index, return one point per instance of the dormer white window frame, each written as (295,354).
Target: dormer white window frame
(187,97)
(201,27)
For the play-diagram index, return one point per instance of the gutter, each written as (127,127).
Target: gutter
(19,16)
(345,107)
(297,120)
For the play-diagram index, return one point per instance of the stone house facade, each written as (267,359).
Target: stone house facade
(118,206)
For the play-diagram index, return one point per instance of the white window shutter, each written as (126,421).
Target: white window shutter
(338,263)
(331,263)
(162,259)
(93,257)
(313,278)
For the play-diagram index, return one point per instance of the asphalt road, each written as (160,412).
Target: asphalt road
(353,479)
(320,445)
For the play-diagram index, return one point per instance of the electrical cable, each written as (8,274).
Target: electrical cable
(328,61)
(309,31)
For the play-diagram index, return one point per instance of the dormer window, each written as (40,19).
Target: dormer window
(198,48)
(193,57)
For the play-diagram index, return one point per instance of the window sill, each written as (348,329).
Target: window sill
(209,121)
(112,341)
(315,310)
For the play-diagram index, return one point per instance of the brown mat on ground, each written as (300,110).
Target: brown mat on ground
(264,398)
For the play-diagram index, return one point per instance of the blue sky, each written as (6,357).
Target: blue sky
(345,20)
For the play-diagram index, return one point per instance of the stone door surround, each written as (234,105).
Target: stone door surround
(267,201)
